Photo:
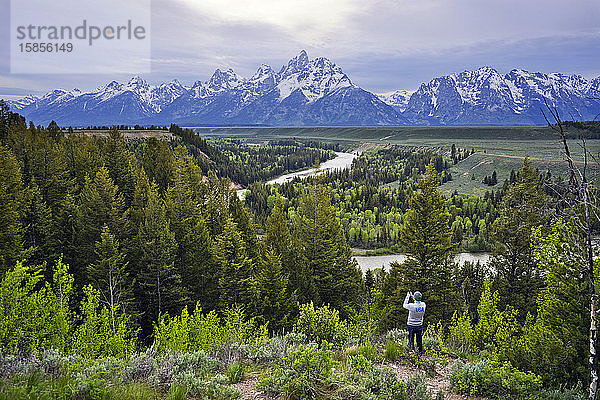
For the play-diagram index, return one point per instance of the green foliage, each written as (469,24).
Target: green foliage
(426,239)
(329,274)
(523,207)
(495,326)
(558,394)
(305,374)
(416,388)
(234,266)
(321,324)
(36,318)
(235,372)
(273,299)
(197,331)
(493,379)
(11,209)
(555,343)
(99,334)
(109,274)
(393,351)
(373,383)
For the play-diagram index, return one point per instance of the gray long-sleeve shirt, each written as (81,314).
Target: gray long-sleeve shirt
(416,311)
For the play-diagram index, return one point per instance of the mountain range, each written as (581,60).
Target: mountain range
(317,92)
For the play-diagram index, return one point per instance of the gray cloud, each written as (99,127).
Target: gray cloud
(381,44)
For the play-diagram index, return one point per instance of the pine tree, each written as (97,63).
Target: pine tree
(273,299)
(425,237)
(201,275)
(100,204)
(109,276)
(121,164)
(38,226)
(234,265)
(159,283)
(159,163)
(278,237)
(11,210)
(330,276)
(523,207)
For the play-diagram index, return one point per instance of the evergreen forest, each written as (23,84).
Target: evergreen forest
(131,269)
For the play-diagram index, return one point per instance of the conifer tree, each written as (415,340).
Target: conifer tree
(425,237)
(273,298)
(201,275)
(38,226)
(278,237)
(159,163)
(523,207)
(216,203)
(109,276)
(121,164)
(159,283)
(11,210)
(101,204)
(330,275)
(235,267)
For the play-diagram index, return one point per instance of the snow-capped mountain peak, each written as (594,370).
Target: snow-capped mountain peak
(398,99)
(224,80)
(295,65)
(315,79)
(318,92)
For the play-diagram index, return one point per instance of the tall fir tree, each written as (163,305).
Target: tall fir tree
(330,276)
(523,207)
(108,274)
(159,163)
(425,238)
(38,224)
(235,267)
(278,237)
(273,299)
(101,204)
(12,209)
(159,287)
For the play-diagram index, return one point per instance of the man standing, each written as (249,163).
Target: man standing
(416,311)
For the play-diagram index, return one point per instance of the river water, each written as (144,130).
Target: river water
(373,262)
(341,161)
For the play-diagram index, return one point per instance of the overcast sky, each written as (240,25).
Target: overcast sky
(381,44)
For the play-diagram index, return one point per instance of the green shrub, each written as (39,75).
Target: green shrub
(493,379)
(100,334)
(393,351)
(382,383)
(396,335)
(416,388)
(179,367)
(360,364)
(177,392)
(321,324)
(369,351)
(235,372)
(197,331)
(566,394)
(214,388)
(305,374)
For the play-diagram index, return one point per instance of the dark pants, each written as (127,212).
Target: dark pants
(415,331)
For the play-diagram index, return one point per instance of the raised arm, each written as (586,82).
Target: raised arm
(406,299)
